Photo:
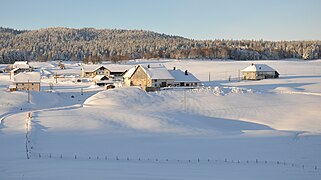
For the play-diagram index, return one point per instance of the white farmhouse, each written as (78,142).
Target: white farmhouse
(26,81)
(258,72)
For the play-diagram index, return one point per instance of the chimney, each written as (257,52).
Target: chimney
(174,68)
(186,73)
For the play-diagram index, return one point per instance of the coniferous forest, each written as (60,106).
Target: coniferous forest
(94,45)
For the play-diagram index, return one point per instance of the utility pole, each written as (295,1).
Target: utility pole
(209,76)
(28,92)
(184,100)
(81,91)
(56,76)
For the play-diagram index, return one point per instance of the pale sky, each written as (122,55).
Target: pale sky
(196,19)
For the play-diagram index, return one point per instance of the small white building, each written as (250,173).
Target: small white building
(26,81)
(184,78)
(102,80)
(258,72)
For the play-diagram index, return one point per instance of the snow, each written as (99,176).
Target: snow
(21,64)
(27,76)
(156,72)
(258,68)
(91,68)
(180,76)
(273,121)
(129,73)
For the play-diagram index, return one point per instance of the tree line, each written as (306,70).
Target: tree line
(95,45)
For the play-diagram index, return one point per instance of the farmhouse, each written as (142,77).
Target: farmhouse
(90,71)
(18,67)
(184,78)
(148,77)
(21,64)
(26,81)
(258,72)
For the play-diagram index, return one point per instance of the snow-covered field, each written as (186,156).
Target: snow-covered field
(268,129)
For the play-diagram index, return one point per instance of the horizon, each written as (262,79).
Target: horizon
(271,20)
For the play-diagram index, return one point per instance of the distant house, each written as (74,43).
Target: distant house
(258,72)
(26,81)
(102,80)
(90,71)
(21,64)
(184,78)
(117,70)
(148,77)
(18,67)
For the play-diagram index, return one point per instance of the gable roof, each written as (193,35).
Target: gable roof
(92,68)
(117,68)
(156,72)
(258,68)
(130,72)
(25,76)
(99,77)
(21,64)
(180,76)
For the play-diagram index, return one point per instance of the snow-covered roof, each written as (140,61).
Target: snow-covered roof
(117,68)
(92,68)
(21,64)
(15,69)
(130,72)
(180,76)
(25,76)
(258,68)
(99,77)
(157,72)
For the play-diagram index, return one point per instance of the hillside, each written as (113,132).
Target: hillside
(94,45)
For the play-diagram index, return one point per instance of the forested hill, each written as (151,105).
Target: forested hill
(90,44)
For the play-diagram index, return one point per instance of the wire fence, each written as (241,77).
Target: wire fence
(31,154)
(171,161)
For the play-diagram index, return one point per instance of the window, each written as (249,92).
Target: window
(181,84)
(31,84)
(155,80)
